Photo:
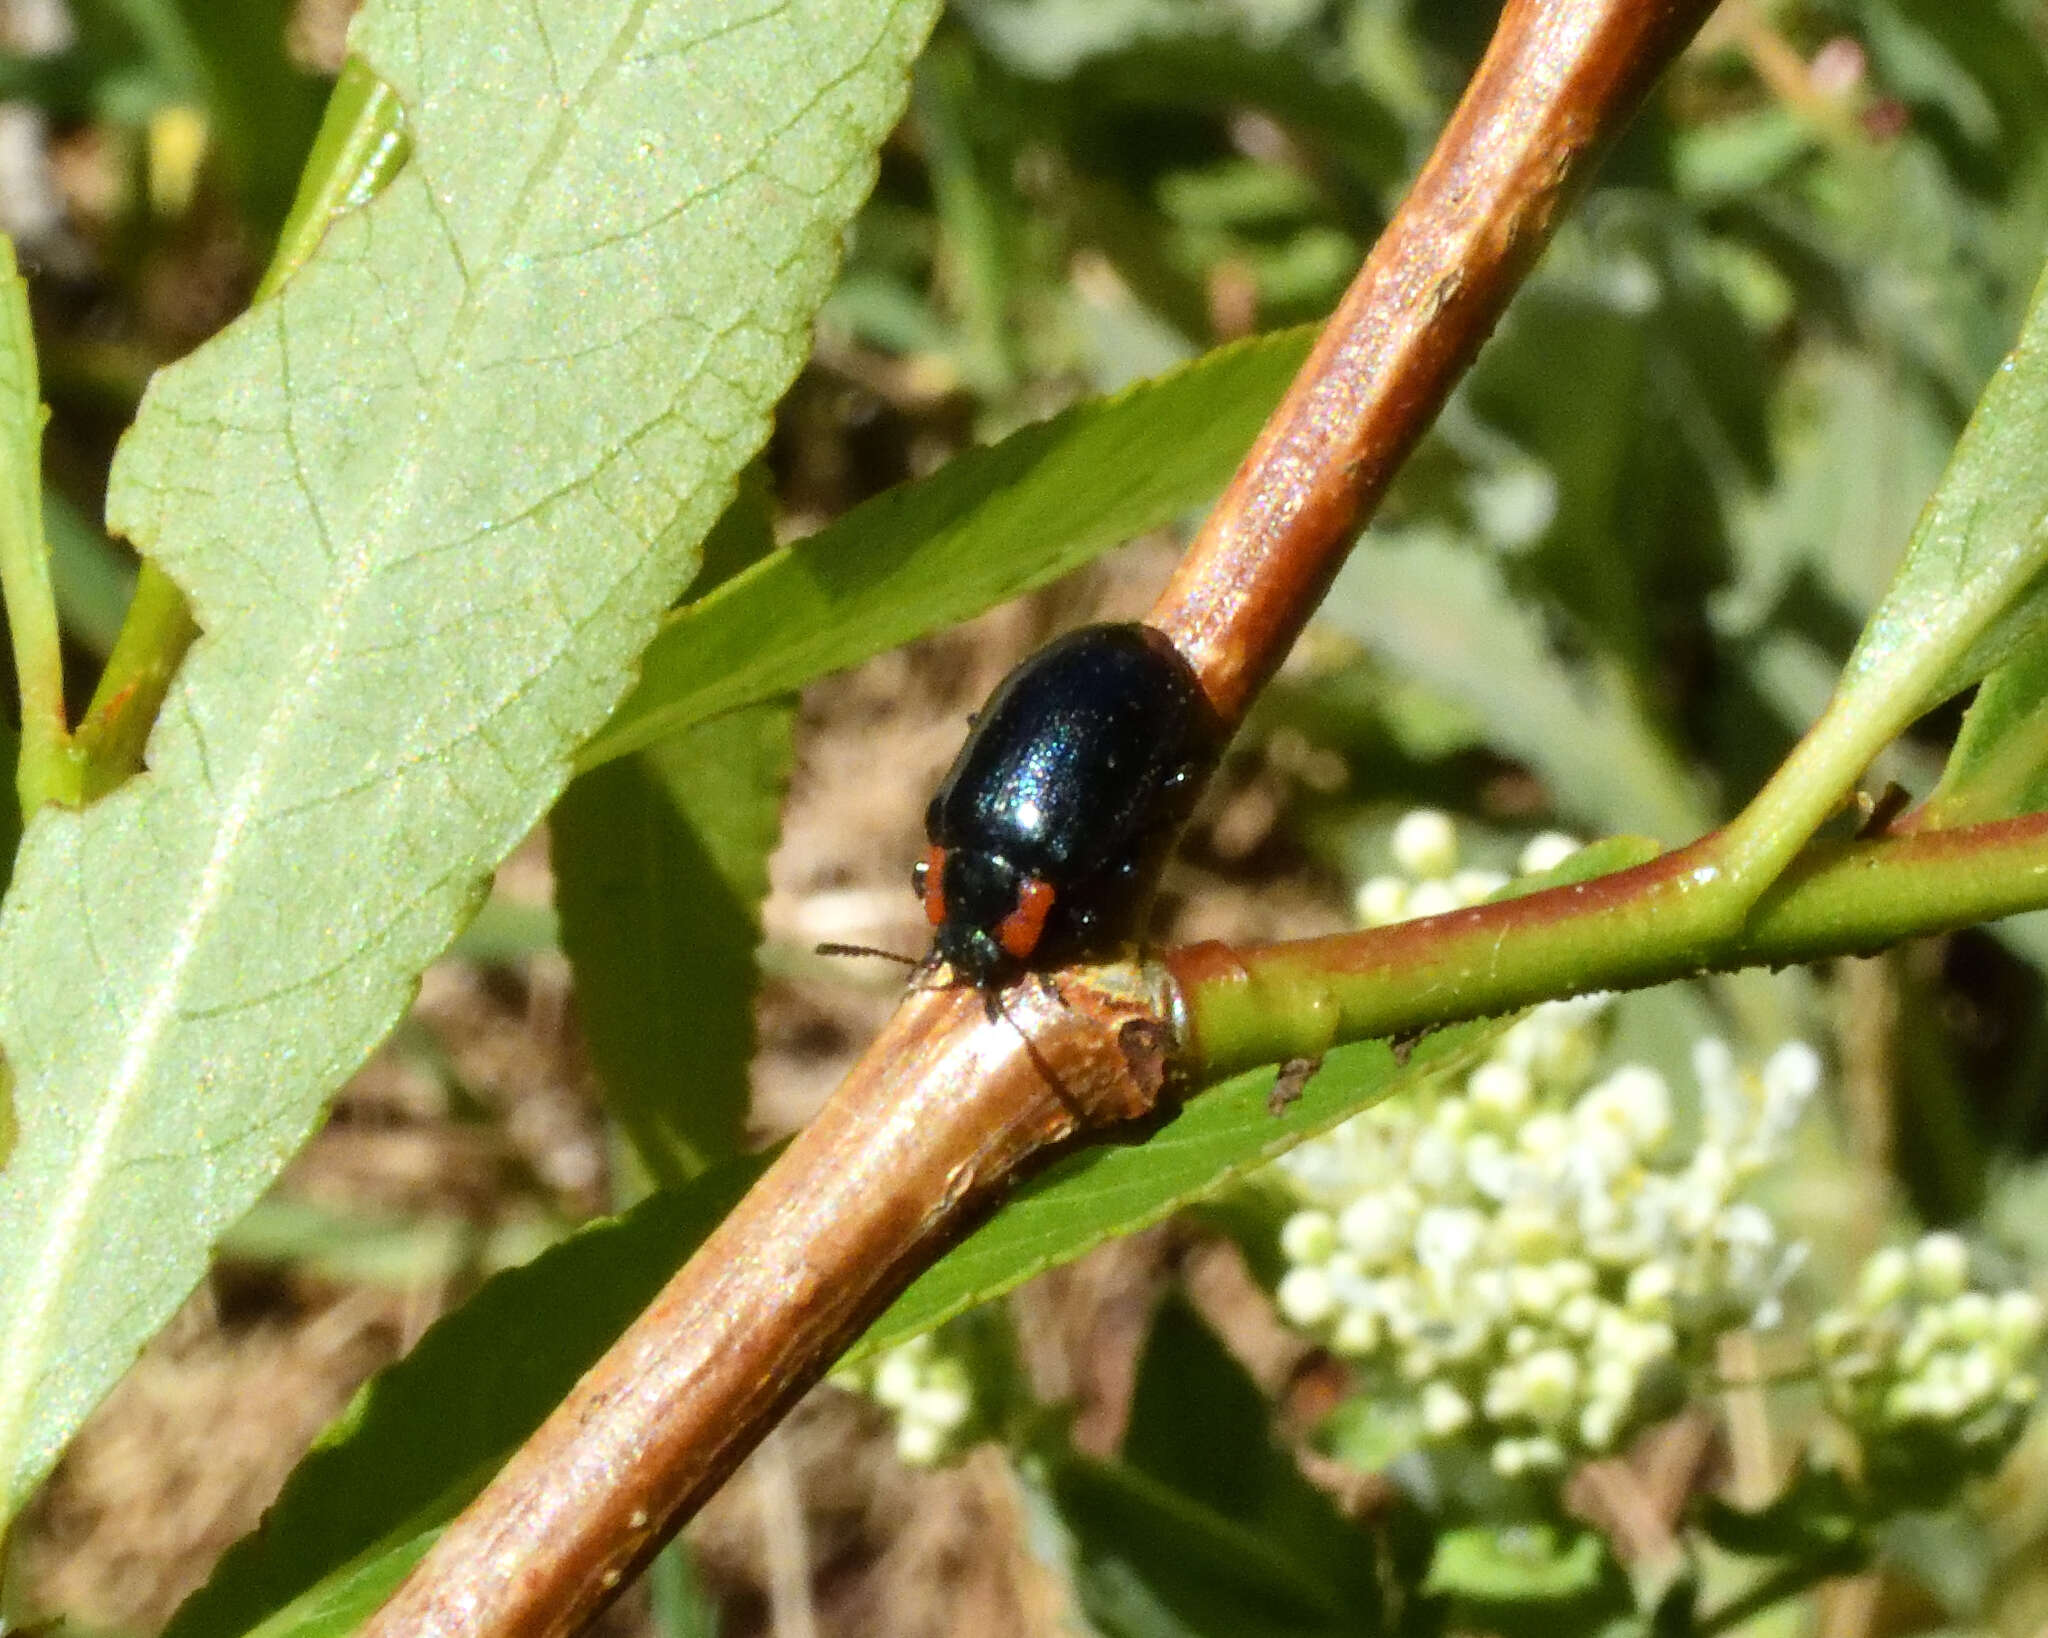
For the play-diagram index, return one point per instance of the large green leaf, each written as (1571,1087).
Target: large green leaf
(986,526)
(661,863)
(423,1435)
(427,504)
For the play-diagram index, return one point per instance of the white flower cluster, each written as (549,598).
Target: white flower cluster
(1533,1257)
(1922,1351)
(928,1390)
(1538,1273)
(1425,846)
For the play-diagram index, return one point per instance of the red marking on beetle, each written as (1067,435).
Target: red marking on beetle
(935,885)
(1021,928)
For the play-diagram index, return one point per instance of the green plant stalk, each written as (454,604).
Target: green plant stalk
(1659,920)
(1965,596)
(48,769)
(1801,1575)
(1817,778)
(360,146)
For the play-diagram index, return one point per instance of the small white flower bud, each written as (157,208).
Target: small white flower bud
(919,1444)
(1791,1076)
(1510,1458)
(1971,1316)
(1356,1334)
(898,1377)
(1521,1341)
(1452,1117)
(945,1405)
(1599,1422)
(1308,1237)
(1634,1100)
(1979,1373)
(1546,850)
(1613,1379)
(1636,1343)
(1651,1289)
(1381,901)
(1304,1297)
(1580,1315)
(1476,886)
(1574,1276)
(1504,1398)
(1425,843)
(1489,1167)
(1530,1231)
(1546,1137)
(1433,898)
(1542,1453)
(1884,1279)
(1499,1090)
(1445,1411)
(1535,1291)
(1550,1385)
(1348,1273)
(1448,1237)
(1925,1333)
(1489,1293)
(1465,1338)
(1434,1160)
(1941,1264)
(2017,1321)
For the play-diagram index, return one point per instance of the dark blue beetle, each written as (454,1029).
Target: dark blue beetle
(1048,831)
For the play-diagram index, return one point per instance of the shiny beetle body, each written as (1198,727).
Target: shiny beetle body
(1047,832)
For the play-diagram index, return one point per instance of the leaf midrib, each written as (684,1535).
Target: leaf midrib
(49,1274)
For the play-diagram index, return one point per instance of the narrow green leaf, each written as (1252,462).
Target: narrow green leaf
(427,504)
(1099,1194)
(1151,1562)
(1485,1564)
(423,1435)
(1999,766)
(661,864)
(1969,590)
(1968,594)
(47,771)
(1444,614)
(681,1605)
(990,524)
(93,580)
(1200,1426)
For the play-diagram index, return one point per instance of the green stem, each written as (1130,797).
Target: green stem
(359,148)
(1816,779)
(1786,1582)
(47,770)
(1653,922)
(154,635)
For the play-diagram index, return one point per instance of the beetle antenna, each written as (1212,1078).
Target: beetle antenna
(830,948)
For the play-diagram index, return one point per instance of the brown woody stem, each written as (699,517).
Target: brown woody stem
(1561,79)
